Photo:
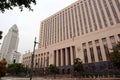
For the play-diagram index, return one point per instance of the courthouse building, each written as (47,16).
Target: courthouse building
(86,29)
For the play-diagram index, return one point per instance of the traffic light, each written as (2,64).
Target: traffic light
(0,34)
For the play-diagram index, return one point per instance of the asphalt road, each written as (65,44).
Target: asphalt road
(10,78)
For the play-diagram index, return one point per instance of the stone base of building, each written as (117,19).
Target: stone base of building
(103,67)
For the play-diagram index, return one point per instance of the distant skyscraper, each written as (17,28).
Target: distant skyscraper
(10,45)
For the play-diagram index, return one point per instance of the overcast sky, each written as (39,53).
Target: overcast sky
(29,22)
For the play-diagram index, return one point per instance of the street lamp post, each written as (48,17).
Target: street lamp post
(32,59)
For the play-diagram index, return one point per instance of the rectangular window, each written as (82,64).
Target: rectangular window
(119,36)
(58,26)
(61,26)
(92,54)
(55,57)
(74,52)
(66,23)
(59,58)
(63,21)
(106,51)
(88,15)
(108,12)
(86,29)
(97,41)
(73,22)
(76,17)
(70,23)
(99,53)
(103,15)
(64,61)
(118,4)
(114,11)
(69,56)
(80,18)
(97,13)
(93,16)
(85,55)
(112,39)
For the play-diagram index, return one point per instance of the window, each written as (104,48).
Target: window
(88,15)
(59,57)
(104,40)
(58,26)
(85,55)
(118,4)
(92,54)
(97,13)
(73,22)
(74,52)
(55,57)
(80,18)
(119,36)
(114,11)
(86,29)
(90,43)
(63,51)
(103,15)
(108,12)
(76,17)
(96,41)
(66,24)
(63,21)
(106,51)
(69,56)
(70,23)
(112,39)
(99,53)
(61,26)
(93,17)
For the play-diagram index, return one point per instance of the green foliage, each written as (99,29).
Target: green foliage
(115,56)
(0,34)
(9,4)
(53,69)
(16,69)
(3,69)
(78,66)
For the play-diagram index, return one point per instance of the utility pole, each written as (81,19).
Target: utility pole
(32,59)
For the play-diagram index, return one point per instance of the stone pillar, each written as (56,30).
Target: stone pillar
(61,57)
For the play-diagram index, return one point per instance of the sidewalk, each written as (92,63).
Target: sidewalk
(57,78)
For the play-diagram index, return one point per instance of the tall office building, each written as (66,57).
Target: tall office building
(86,29)
(10,45)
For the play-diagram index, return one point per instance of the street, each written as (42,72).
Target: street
(13,78)
(38,78)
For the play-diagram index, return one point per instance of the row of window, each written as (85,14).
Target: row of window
(98,49)
(79,19)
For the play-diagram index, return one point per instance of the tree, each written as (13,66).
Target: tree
(16,69)
(115,56)
(9,4)
(53,69)
(3,69)
(78,66)
(0,34)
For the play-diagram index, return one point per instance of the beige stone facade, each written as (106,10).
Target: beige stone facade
(86,29)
